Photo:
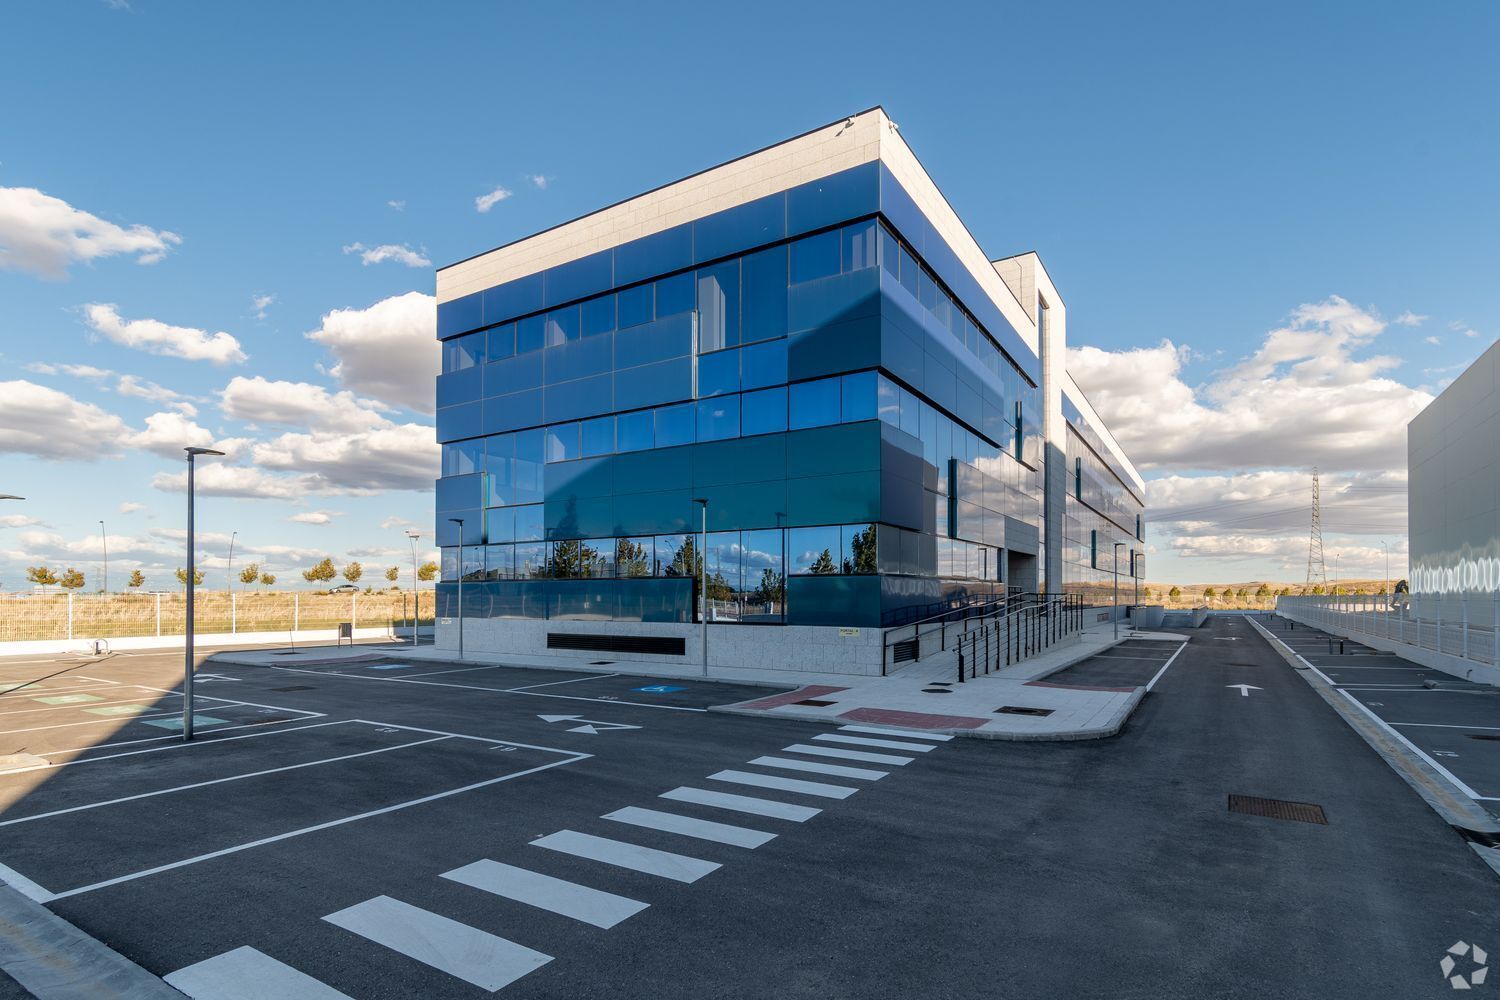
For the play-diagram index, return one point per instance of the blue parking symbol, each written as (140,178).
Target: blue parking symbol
(661,689)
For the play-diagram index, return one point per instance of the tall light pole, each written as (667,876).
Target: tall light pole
(104,540)
(187,665)
(1385,586)
(232,536)
(416,595)
(703,586)
(460,522)
(1116,616)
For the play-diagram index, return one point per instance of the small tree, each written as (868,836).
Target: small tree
(1209,593)
(137,580)
(321,573)
(392,573)
(427,572)
(1262,592)
(41,576)
(1175,593)
(197,576)
(353,572)
(266,579)
(250,574)
(71,580)
(1242,594)
(1147,592)
(1317,589)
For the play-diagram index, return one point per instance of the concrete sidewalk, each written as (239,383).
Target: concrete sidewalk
(925,695)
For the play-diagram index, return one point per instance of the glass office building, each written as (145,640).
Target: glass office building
(803,347)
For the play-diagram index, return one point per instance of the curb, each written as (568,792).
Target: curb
(55,960)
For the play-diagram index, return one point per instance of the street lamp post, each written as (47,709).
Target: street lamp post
(187,666)
(703,574)
(1116,615)
(460,522)
(104,540)
(1385,586)
(232,536)
(416,594)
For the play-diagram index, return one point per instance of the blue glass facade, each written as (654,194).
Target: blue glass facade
(1102,508)
(817,364)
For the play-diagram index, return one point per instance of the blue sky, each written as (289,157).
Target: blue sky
(1274,209)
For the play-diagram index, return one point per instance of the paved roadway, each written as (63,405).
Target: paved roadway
(960,868)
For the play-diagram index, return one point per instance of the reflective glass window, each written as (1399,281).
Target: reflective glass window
(859,548)
(910,271)
(718,418)
(815,257)
(633,431)
(531,334)
(719,306)
(674,425)
(723,566)
(562,442)
(500,460)
(814,551)
(764,281)
(910,413)
(674,295)
(676,555)
(450,565)
(563,325)
(763,364)
(860,247)
(530,523)
(463,352)
(529,560)
(635,557)
(813,404)
(598,315)
(763,575)
(890,253)
(473,563)
(859,401)
(499,562)
(927,289)
(636,305)
(527,472)
(598,437)
(463,457)
(763,412)
(888,401)
(596,557)
(501,343)
(719,373)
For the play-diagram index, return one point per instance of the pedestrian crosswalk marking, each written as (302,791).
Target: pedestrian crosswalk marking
(486,960)
(859,755)
(866,742)
(806,765)
(247,974)
(784,784)
(591,906)
(743,803)
(665,864)
(687,826)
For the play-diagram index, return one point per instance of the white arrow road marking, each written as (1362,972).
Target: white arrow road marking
(591,726)
(1227,638)
(1244,689)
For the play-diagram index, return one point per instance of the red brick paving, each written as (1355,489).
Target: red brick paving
(915,720)
(791,697)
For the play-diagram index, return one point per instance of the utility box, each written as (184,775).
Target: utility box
(346,631)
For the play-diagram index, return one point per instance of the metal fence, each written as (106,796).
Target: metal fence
(42,616)
(1464,625)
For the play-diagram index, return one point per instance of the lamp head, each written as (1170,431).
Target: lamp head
(202,451)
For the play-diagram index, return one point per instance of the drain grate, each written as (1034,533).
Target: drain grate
(295,687)
(1484,736)
(1301,812)
(814,703)
(600,663)
(936,691)
(1018,710)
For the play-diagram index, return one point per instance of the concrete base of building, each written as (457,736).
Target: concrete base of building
(818,649)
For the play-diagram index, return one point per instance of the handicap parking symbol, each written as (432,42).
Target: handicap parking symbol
(661,689)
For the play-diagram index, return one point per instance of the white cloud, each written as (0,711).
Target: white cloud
(396,522)
(156,337)
(538,180)
(168,433)
(260,303)
(392,457)
(19,521)
(1304,398)
(388,350)
(45,423)
(130,507)
(132,385)
(1434,341)
(315,516)
(76,371)
(1410,318)
(485,202)
(400,253)
(215,479)
(399,206)
(45,236)
(286,404)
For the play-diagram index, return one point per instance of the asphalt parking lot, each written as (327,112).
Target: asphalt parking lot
(1131,664)
(1453,723)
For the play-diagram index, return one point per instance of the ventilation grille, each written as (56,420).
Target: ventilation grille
(665,645)
(904,650)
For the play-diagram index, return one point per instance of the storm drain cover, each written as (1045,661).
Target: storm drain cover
(1017,710)
(600,663)
(936,691)
(1484,736)
(295,687)
(1301,812)
(815,703)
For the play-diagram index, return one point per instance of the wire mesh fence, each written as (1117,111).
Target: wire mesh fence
(61,615)
(1466,625)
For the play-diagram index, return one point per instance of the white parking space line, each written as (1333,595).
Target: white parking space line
(481,739)
(687,826)
(75,706)
(1446,725)
(1440,769)
(1152,683)
(742,803)
(910,734)
(1112,656)
(247,974)
(570,680)
(176,744)
(24,885)
(865,742)
(665,864)
(176,740)
(218,781)
(786,763)
(330,824)
(103,720)
(591,906)
(468,953)
(863,756)
(779,783)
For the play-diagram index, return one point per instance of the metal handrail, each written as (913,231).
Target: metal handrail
(1025,633)
(997,610)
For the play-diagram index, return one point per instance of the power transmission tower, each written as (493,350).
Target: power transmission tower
(1317,572)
